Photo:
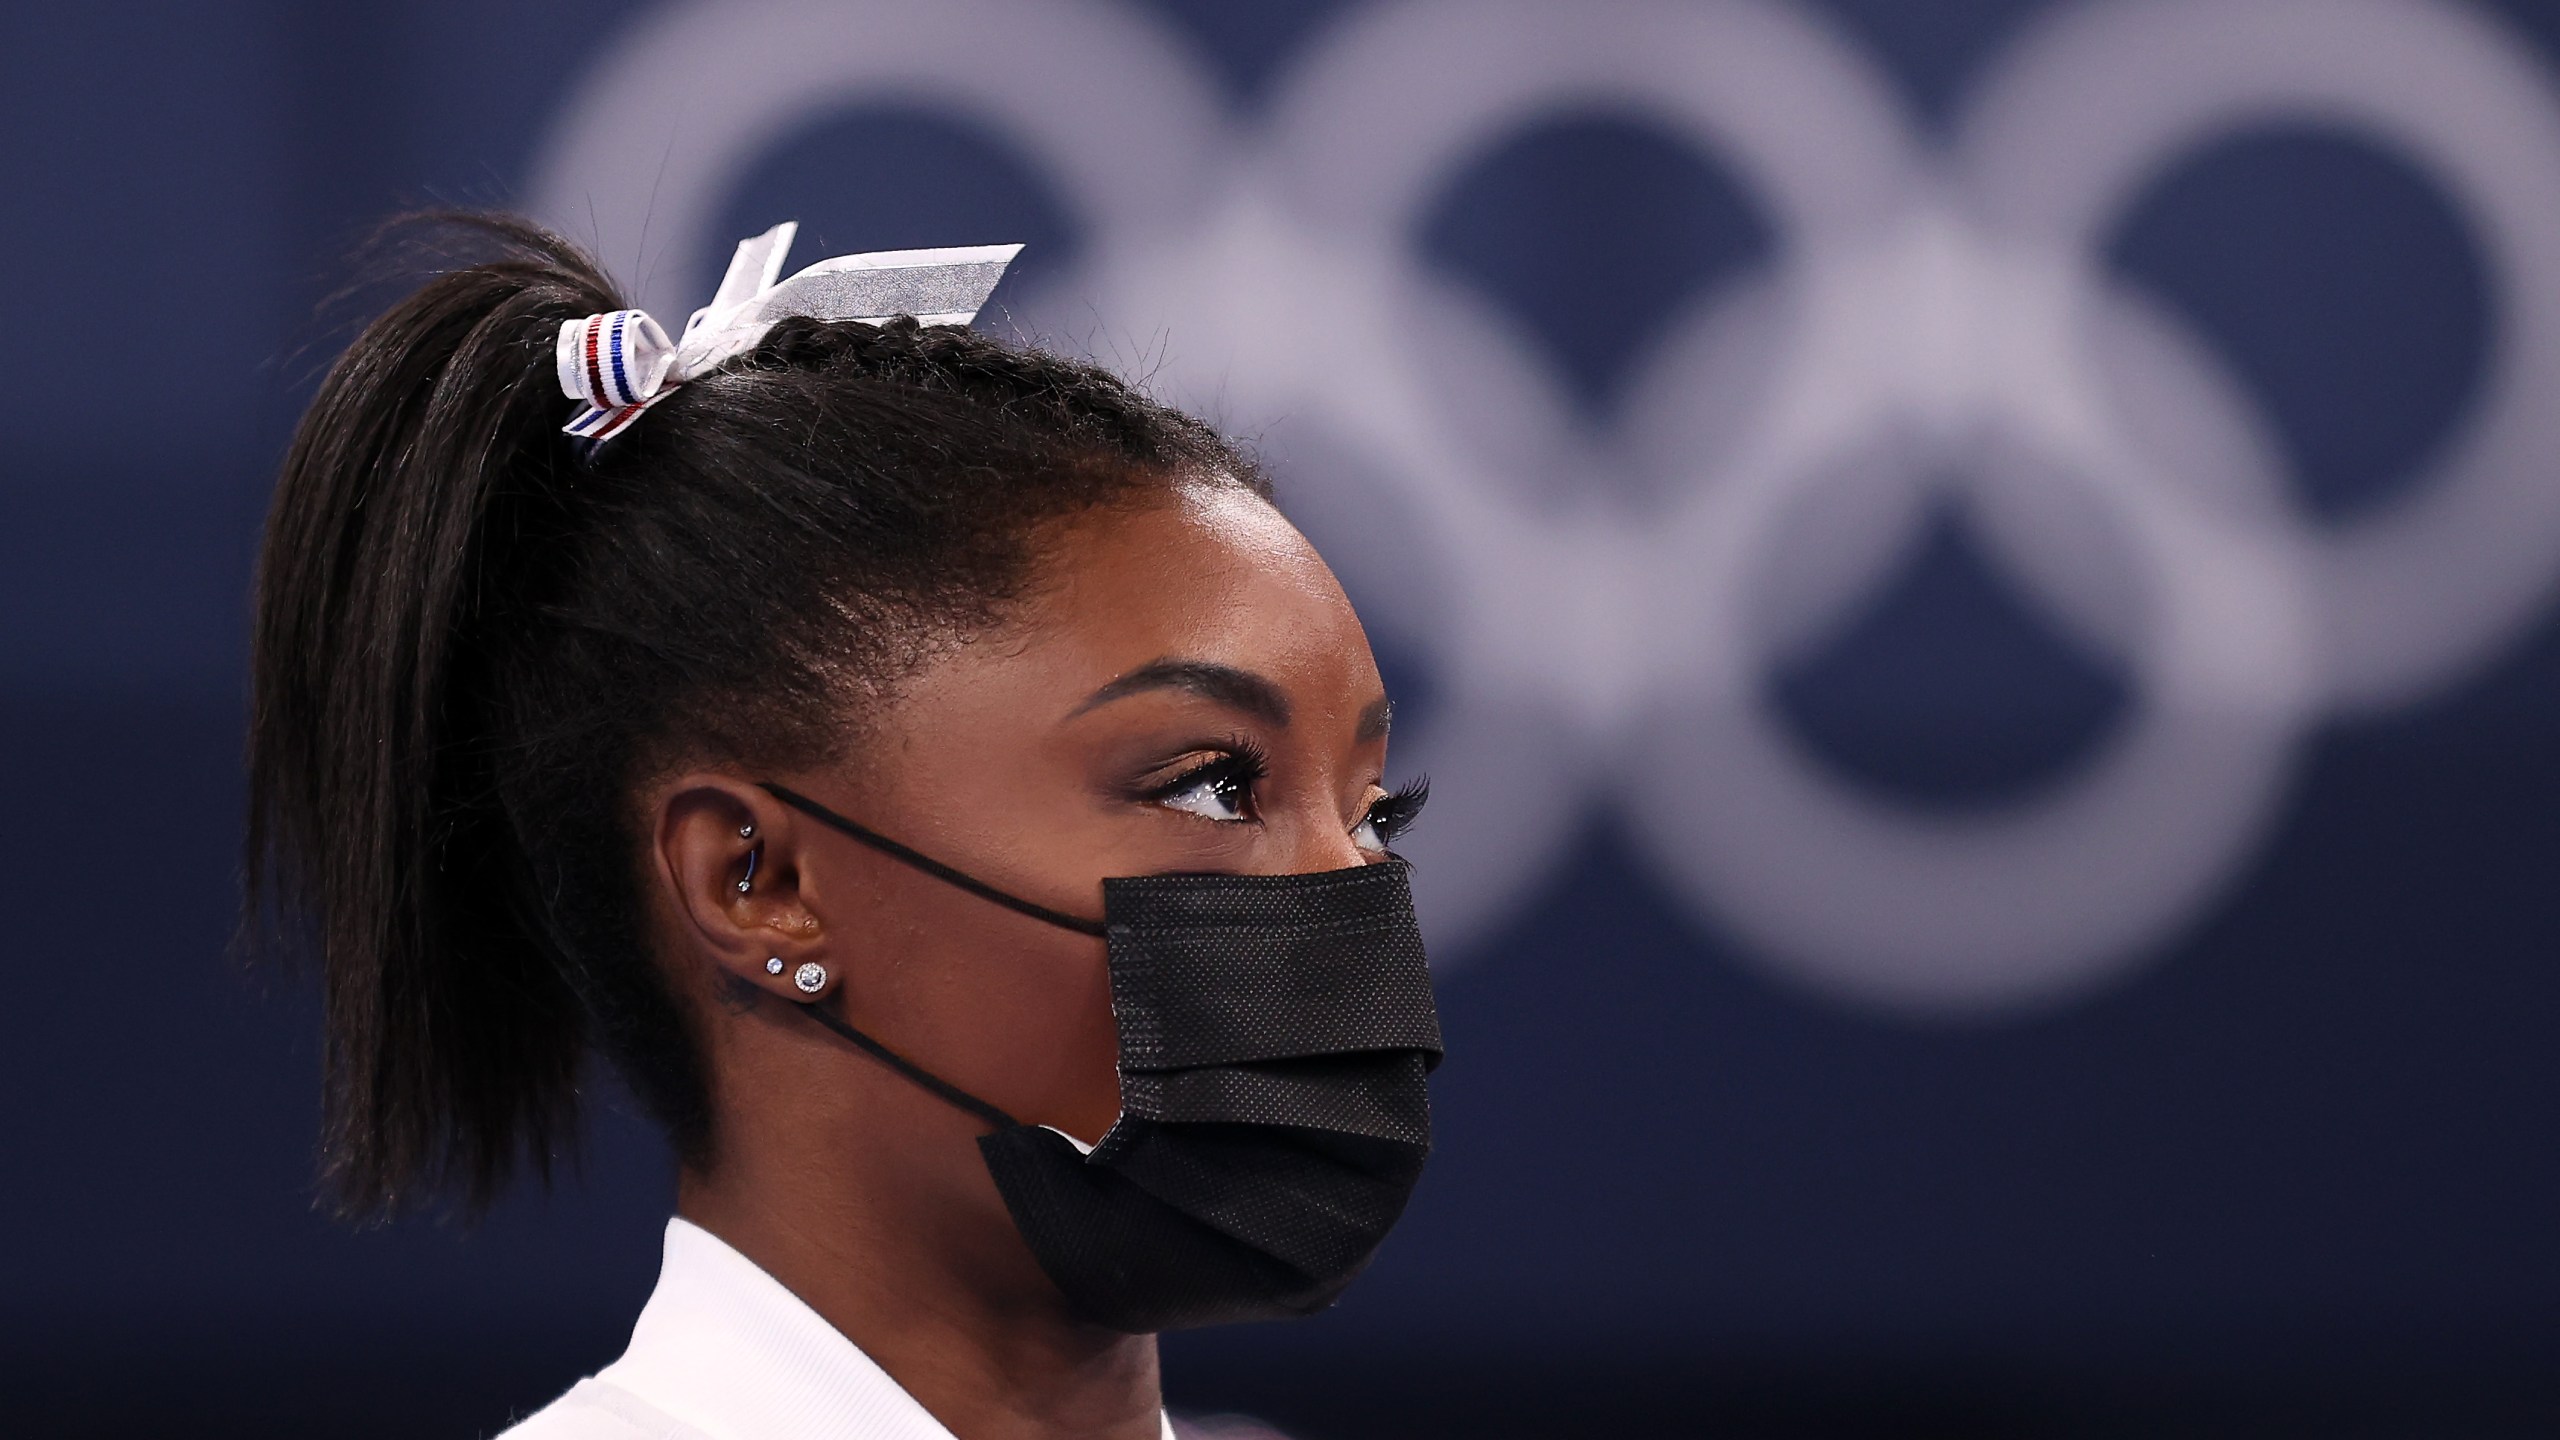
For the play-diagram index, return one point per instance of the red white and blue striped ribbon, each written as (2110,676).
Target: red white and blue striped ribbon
(616,362)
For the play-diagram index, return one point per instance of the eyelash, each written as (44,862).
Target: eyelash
(1245,763)
(1394,813)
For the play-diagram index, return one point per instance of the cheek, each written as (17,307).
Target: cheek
(1005,1009)
(1050,1034)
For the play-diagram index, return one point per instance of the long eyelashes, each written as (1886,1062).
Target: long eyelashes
(1393,815)
(1230,775)
(1229,780)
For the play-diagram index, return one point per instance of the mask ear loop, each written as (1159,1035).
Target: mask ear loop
(911,1070)
(933,867)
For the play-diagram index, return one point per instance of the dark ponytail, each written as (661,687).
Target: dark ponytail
(473,643)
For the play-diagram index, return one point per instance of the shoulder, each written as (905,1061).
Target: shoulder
(599,1410)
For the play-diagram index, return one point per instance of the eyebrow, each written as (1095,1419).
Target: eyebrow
(1239,689)
(1227,685)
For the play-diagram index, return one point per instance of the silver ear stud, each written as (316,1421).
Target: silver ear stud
(746,832)
(773,965)
(811,977)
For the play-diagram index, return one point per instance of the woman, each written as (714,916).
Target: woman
(935,776)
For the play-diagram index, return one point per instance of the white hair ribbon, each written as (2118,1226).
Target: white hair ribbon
(621,362)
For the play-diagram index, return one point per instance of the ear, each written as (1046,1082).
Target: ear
(729,856)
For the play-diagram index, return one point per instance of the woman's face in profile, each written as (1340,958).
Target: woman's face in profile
(1185,688)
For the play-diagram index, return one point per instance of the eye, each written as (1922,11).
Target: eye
(1390,816)
(1219,789)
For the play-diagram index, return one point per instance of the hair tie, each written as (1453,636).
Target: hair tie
(616,362)
(620,363)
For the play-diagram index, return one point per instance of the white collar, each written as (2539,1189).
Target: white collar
(724,1349)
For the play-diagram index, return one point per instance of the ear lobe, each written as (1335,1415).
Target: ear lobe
(727,861)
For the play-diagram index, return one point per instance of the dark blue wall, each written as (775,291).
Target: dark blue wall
(2295,1172)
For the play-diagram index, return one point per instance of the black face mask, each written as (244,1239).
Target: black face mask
(1274,1035)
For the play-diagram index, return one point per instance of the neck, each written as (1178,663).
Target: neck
(962,1319)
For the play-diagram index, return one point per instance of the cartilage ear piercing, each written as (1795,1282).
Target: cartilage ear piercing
(749,882)
(746,832)
(811,977)
(773,965)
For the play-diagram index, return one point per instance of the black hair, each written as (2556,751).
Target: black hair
(476,637)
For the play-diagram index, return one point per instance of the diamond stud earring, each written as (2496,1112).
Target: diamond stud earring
(811,977)
(773,965)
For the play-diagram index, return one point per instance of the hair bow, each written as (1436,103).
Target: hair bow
(621,362)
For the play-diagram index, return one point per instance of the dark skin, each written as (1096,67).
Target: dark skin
(1096,734)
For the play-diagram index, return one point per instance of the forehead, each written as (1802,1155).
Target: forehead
(1215,573)
(1208,572)
(1207,560)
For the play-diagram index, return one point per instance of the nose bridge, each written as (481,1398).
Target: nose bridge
(1320,854)
(1311,834)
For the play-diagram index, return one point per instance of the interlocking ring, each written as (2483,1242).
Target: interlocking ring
(1931,312)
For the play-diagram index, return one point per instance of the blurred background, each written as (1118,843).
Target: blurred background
(1975,579)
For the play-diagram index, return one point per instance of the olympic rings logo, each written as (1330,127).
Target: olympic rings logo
(1936,325)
